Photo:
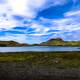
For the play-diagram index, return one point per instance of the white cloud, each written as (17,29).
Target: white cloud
(64,24)
(72,13)
(29,9)
(18,38)
(25,8)
(54,3)
(7,23)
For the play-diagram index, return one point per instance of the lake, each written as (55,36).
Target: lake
(39,49)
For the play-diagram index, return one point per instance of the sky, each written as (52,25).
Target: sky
(36,21)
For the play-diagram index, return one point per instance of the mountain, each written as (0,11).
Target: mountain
(11,43)
(51,42)
(60,42)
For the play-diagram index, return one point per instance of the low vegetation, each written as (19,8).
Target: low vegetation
(60,42)
(11,43)
(53,59)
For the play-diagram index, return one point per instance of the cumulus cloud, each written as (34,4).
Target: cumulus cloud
(18,23)
(24,8)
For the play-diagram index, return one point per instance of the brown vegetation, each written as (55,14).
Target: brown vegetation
(60,42)
(11,43)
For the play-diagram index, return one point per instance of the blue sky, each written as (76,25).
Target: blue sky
(24,22)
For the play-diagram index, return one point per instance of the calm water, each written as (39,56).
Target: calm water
(38,49)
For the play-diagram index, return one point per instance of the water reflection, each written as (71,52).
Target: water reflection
(39,49)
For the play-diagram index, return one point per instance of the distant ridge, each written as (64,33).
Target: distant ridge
(11,43)
(51,42)
(60,42)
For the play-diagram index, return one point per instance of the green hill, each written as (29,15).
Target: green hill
(51,42)
(11,43)
(60,42)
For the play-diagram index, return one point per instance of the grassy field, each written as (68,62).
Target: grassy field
(51,59)
(40,66)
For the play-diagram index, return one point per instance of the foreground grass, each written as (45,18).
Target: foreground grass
(51,59)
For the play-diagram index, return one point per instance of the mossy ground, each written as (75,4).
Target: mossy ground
(51,59)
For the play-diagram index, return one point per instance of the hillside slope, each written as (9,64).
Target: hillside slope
(11,43)
(60,42)
(51,42)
